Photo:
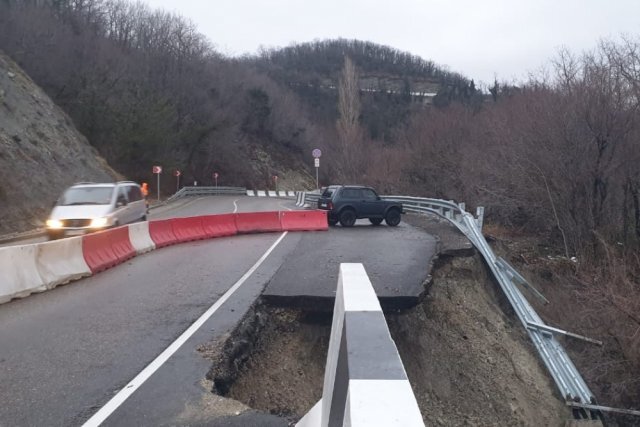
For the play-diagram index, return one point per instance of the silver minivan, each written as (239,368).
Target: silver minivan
(88,207)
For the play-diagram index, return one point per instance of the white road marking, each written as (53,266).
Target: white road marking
(235,206)
(117,400)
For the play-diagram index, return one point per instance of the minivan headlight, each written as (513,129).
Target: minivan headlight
(98,222)
(54,223)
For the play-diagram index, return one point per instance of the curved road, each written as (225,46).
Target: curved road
(65,353)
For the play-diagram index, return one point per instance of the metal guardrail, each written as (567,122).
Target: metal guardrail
(207,191)
(237,191)
(311,198)
(307,198)
(567,378)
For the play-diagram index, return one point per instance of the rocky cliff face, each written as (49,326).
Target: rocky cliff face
(41,152)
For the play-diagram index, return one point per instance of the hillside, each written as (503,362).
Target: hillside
(41,152)
(146,88)
(394,85)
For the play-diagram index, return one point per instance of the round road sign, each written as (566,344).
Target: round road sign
(316,153)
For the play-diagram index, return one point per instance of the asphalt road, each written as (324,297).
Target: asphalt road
(65,353)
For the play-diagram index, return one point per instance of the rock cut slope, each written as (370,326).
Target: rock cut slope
(41,152)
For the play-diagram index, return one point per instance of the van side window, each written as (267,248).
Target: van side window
(134,193)
(369,195)
(122,195)
(351,193)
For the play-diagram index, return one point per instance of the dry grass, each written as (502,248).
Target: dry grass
(598,297)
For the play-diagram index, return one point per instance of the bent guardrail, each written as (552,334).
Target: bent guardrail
(565,375)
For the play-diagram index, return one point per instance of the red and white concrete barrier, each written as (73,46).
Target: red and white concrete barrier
(35,268)
(304,220)
(140,237)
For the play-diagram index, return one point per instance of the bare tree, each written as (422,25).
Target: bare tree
(349,129)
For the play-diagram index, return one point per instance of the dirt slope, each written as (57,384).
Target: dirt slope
(41,152)
(469,362)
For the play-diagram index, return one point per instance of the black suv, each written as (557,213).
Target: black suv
(346,203)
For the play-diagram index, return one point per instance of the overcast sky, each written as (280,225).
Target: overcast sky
(477,38)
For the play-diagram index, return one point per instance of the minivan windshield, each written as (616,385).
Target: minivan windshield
(86,196)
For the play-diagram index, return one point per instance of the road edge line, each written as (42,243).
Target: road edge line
(117,400)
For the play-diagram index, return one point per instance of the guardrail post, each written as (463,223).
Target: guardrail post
(365,384)
(462,206)
(480,216)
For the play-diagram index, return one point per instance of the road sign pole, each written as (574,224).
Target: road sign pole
(177,183)
(316,153)
(158,170)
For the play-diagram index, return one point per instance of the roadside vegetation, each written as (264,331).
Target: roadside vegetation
(554,160)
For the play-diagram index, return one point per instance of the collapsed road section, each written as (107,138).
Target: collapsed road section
(467,360)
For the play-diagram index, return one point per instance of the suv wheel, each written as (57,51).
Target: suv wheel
(347,218)
(392,218)
(375,221)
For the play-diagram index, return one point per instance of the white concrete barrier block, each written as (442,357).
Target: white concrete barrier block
(61,261)
(359,294)
(335,339)
(250,193)
(18,273)
(261,193)
(140,237)
(291,194)
(373,389)
(272,194)
(313,418)
(382,403)
(282,194)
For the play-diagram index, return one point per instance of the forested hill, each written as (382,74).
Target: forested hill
(322,60)
(387,75)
